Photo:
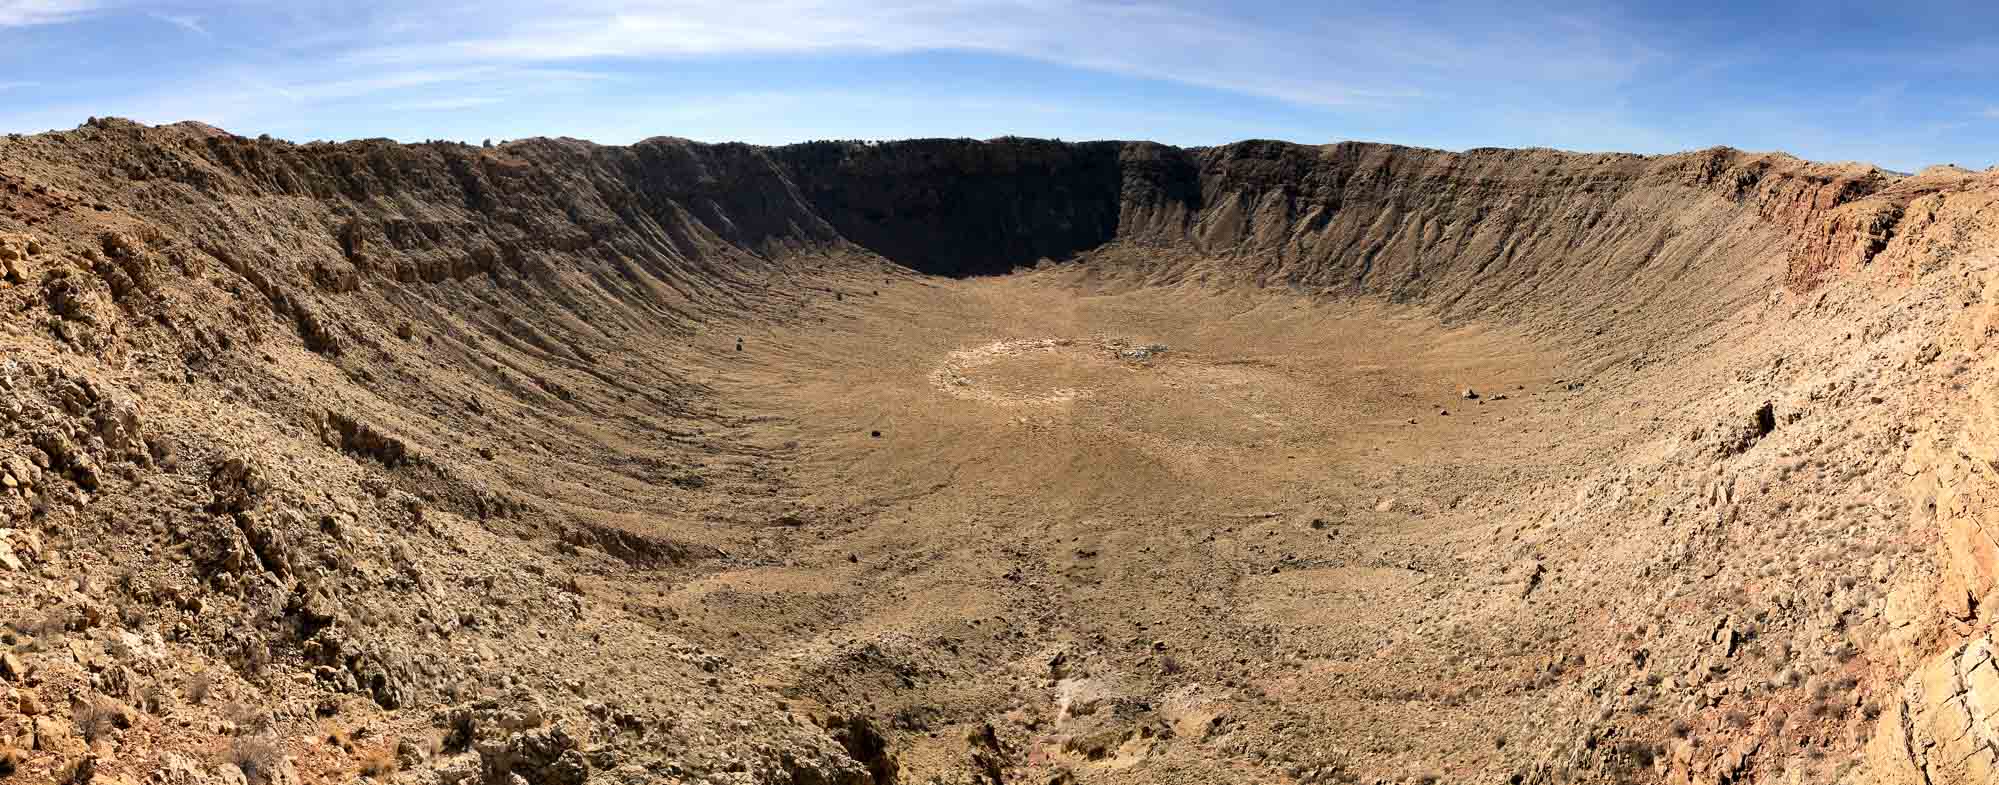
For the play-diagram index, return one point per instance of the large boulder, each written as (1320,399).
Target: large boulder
(17,264)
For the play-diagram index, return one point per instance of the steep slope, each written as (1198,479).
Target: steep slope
(362,394)
(661,462)
(959,207)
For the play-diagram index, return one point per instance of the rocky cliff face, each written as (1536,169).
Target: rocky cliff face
(959,207)
(1487,230)
(1406,223)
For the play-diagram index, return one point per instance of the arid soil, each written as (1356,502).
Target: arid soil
(990,462)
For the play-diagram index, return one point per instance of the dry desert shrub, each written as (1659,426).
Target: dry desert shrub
(155,698)
(47,628)
(200,685)
(246,718)
(258,757)
(379,761)
(339,738)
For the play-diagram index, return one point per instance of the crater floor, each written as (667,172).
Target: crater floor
(1145,520)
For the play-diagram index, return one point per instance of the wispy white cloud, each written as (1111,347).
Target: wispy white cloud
(297,99)
(1459,73)
(442,104)
(369,84)
(1355,61)
(21,13)
(438,55)
(188,22)
(18,85)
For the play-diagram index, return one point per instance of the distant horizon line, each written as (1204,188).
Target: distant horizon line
(93,121)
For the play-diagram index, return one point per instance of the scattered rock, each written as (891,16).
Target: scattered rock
(81,771)
(11,667)
(15,264)
(548,756)
(54,734)
(409,755)
(1143,353)
(351,435)
(317,331)
(1531,579)
(865,744)
(237,484)
(1760,423)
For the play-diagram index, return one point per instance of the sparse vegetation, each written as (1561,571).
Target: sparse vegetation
(248,719)
(47,627)
(379,761)
(337,737)
(259,757)
(155,698)
(200,685)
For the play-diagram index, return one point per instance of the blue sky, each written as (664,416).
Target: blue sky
(1903,85)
